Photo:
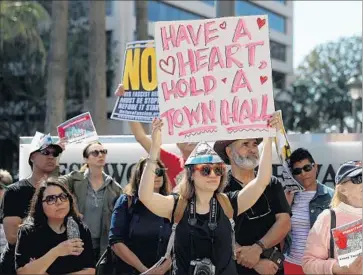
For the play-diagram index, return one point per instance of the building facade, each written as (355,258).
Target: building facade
(120,24)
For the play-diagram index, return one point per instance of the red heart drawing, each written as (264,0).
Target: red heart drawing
(166,66)
(261,22)
(223,25)
(224,79)
(263,79)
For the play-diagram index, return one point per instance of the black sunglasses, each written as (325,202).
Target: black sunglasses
(206,169)
(52,199)
(306,168)
(355,180)
(95,153)
(46,152)
(160,172)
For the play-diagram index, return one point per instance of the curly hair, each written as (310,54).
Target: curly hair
(37,217)
(132,187)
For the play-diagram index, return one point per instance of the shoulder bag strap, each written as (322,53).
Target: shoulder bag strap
(332,226)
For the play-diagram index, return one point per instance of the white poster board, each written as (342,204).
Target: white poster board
(214,78)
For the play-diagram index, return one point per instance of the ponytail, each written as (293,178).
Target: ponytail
(83,168)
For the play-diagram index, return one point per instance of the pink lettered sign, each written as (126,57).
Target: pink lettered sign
(215,78)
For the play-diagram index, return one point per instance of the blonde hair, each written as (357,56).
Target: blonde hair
(338,197)
(5,177)
(186,187)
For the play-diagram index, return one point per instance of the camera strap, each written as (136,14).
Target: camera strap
(212,222)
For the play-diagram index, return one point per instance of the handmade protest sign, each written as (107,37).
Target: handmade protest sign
(214,78)
(283,150)
(78,129)
(140,102)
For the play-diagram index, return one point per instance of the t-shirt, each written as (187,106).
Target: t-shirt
(198,242)
(42,239)
(253,224)
(175,165)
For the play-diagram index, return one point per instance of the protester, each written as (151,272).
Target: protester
(203,237)
(5,180)
(137,236)
(347,206)
(46,242)
(96,193)
(306,207)
(174,163)
(15,204)
(260,229)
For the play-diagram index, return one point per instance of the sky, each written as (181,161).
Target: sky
(317,22)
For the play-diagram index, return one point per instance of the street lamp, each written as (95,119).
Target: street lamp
(354,85)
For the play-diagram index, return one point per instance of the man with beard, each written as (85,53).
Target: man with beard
(261,228)
(16,201)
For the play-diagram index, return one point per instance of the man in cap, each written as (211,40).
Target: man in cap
(261,228)
(15,204)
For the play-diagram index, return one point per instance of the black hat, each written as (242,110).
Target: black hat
(220,148)
(349,169)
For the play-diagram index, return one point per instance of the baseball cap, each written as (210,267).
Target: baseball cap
(42,141)
(349,169)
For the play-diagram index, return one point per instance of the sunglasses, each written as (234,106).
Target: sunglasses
(355,180)
(52,199)
(46,152)
(253,214)
(95,153)
(206,169)
(160,172)
(306,168)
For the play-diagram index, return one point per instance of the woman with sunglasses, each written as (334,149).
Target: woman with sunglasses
(203,238)
(305,207)
(320,255)
(46,243)
(96,193)
(137,236)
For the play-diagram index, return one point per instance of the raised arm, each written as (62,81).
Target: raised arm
(251,193)
(160,205)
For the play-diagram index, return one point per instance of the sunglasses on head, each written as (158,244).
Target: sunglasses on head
(46,152)
(306,168)
(52,199)
(355,180)
(160,172)
(95,153)
(206,169)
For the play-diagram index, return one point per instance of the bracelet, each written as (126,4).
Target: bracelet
(148,159)
(260,244)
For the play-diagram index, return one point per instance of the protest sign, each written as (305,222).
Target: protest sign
(140,102)
(283,150)
(78,129)
(214,78)
(348,242)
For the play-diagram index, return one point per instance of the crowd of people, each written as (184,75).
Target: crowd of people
(177,215)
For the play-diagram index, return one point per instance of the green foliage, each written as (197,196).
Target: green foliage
(320,99)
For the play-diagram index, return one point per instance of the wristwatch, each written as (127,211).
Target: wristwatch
(260,244)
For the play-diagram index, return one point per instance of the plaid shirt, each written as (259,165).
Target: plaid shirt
(3,240)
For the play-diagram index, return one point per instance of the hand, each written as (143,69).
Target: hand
(266,267)
(157,124)
(248,256)
(120,91)
(275,121)
(62,143)
(289,197)
(69,247)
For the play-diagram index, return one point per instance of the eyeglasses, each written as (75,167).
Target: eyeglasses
(52,199)
(46,152)
(355,180)
(252,214)
(206,169)
(160,172)
(95,153)
(306,168)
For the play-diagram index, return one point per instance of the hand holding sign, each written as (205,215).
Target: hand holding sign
(120,91)
(157,125)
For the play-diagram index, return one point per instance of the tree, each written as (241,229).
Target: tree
(57,67)
(320,100)
(97,65)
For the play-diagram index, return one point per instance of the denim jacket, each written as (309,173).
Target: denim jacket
(318,204)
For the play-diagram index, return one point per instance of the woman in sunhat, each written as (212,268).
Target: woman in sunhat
(320,255)
(202,236)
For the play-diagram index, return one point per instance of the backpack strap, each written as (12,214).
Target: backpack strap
(332,226)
